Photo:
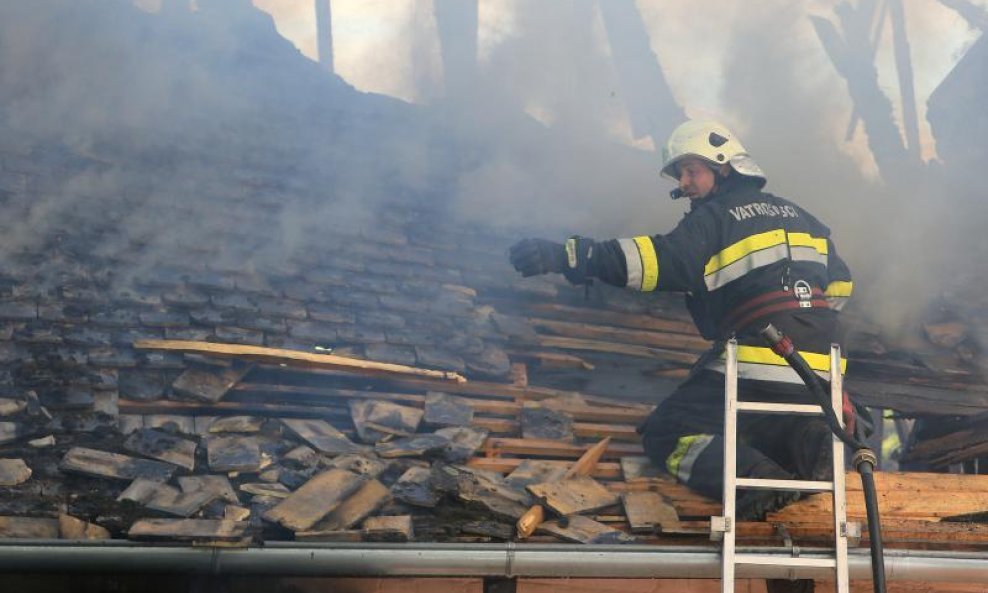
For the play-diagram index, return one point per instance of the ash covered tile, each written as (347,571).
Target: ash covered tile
(18,310)
(162,446)
(390,353)
(164,319)
(357,507)
(233,453)
(353,334)
(113,357)
(188,529)
(464,441)
(165,498)
(437,358)
(538,422)
(113,465)
(443,409)
(314,331)
(245,424)
(239,335)
(422,445)
(321,435)
(376,419)
(208,385)
(216,484)
(315,499)
(28,528)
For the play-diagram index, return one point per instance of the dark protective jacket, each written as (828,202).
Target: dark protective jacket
(732,249)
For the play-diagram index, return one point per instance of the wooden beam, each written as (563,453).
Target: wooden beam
(296,358)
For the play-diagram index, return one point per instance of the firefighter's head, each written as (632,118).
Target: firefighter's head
(700,153)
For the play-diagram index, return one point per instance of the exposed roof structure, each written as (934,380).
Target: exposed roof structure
(170,313)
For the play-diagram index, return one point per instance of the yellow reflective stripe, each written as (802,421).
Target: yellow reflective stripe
(650,263)
(760,355)
(744,247)
(839,288)
(807,240)
(683,446)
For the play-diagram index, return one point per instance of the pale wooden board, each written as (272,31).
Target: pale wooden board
(28,528)
(188,529)
(314,500)
(296,358)
(13,472)
(70,527)
(575,495)
(390,528)
(584,530)
(364,502)
(322,435)
(648,511)
(113,465)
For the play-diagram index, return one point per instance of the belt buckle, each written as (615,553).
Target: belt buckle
(804,293)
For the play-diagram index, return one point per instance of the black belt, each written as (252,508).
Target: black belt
(767,304)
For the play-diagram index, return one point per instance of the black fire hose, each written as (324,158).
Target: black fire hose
(863,460)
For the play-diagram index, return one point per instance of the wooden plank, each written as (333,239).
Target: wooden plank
(574,495)
(617,348)
(321,435)
(296,358)
(28,528)
(601,317)
(364,502)
(113,465)
(551,360)
(584,530)
(70,527)
(505,465)
(188,529)
(389,529)
(571,329)
(314,500)
(544,448)
(208,384)
(13,472)
(162,446)
(648,511)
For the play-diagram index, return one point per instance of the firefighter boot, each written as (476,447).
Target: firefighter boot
(753,505)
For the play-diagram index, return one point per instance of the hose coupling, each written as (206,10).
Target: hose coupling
(864,456)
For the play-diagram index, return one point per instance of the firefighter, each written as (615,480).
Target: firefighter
(744,258)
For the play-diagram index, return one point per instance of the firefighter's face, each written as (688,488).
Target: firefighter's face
(696,178)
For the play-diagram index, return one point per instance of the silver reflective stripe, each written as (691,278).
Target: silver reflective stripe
(735,270)
(764,372)
(809,254)
(837,303)
(633,261)
(689,458)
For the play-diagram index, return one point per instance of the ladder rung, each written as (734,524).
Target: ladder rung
(777,560)
(770,408)
(801,485)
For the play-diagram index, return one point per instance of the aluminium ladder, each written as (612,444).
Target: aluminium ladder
(725,526)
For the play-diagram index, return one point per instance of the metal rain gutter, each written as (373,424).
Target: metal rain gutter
(476,560)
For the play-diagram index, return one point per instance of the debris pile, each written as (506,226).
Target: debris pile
(318,447)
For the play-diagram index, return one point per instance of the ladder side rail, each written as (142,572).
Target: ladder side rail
(841,577)
(730,465)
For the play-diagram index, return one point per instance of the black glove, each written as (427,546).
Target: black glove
(537,256)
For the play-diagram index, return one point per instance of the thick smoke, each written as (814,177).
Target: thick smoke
(538,141)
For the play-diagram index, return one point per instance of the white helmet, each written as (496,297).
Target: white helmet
(712,142)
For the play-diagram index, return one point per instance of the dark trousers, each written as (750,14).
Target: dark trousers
(685,436)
